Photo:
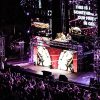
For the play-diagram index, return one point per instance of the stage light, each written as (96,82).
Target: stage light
(27,13)
(28,31)
(49,13)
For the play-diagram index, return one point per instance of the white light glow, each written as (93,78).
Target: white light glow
(44,56)
(64,58)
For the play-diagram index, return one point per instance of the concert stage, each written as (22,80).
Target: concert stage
(80,77)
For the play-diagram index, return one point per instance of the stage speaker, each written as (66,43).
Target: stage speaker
(92,81)
(63,78)
(46,73)
(51,78)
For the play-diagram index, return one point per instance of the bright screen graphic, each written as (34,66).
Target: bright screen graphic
(55,58)
(43,56)
(65,60)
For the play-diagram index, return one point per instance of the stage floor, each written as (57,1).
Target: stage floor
(81,77)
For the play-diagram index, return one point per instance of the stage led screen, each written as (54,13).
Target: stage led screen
(55,58)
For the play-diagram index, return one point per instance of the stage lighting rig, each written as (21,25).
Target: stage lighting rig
(28,3)
(37,8)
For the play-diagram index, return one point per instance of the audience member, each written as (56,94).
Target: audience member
(18,86)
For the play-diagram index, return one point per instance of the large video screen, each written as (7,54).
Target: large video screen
(55,58)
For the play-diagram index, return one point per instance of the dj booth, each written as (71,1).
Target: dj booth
(56,55)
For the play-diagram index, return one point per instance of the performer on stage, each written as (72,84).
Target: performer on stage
(69,64)
(2,62)
(62,38)
(68,37)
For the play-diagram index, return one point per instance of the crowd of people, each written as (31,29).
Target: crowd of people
(18,86)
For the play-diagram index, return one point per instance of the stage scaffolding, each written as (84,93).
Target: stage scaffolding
(96,64)
(2,52)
